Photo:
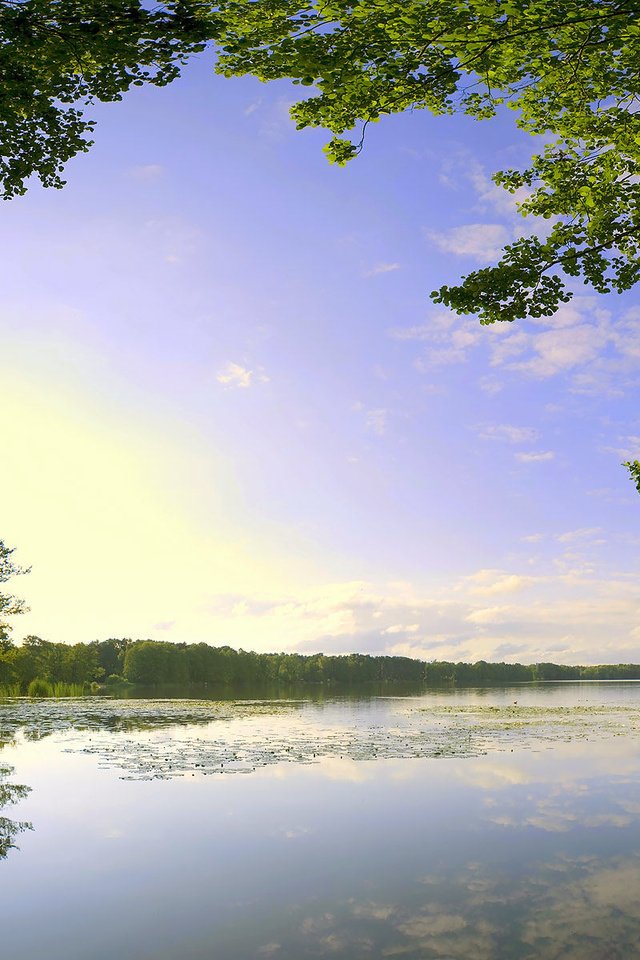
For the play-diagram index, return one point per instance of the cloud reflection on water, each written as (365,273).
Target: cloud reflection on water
(576,908)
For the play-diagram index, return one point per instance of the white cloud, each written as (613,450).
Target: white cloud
(628,447)
(597,352)
(252,107)
(490,385)
(235,375)
(535,457)
(492,197)
(490,582)
(147,171)
(582,533)
(568,616)
(379,268)
(489,615)
(509,433)
(483,241)
(451,337)
(439,322)
(556,351)
(275,121)
(376,421)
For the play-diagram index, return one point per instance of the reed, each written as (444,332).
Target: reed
(61,689)
(39,688)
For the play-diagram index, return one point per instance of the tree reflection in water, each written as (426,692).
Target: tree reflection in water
(10,793)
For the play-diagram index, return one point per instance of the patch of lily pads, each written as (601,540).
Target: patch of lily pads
(160,739)
(40,718)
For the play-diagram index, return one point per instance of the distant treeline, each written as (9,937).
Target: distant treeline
(154,662)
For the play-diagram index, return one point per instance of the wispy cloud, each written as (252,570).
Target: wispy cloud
(508,433)
(488,583)
(597,353)
(273,118)
(535,456)
(583,533)
(490,385)
(482,241)
(566,613)
(380,268)
(490,614)
(422,332)
(560,350)
(627,447)
(235,375)
(464,170)
(492,197)
(147,171)
(450,344)
(252,107)
(377,421)
(436,328)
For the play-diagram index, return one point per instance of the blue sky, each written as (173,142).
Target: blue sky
(231,412)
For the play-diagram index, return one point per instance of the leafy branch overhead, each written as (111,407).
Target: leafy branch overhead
(567,68)
(633,466)
(57,57)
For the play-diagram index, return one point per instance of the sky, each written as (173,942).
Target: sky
(231,413)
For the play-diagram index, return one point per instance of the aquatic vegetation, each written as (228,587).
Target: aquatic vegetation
(70,689)
(240,736)
(38,718)
(39,688)
(169,738)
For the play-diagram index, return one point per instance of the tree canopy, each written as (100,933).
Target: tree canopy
(9,605)
(566,68)
(633,466)
(57,57)
(40,667)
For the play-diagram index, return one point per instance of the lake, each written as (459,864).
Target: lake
(442,824)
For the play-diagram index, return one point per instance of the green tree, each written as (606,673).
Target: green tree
(9,605)
(79,664)
(35,658)
(633,466)
(566,68)
(57,57)
(144,662)
(110,656)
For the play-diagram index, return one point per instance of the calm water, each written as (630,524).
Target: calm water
(447,825)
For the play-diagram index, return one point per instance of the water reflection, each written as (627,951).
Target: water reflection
(225,737)
(10,793)
(577,908)
(358,837)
